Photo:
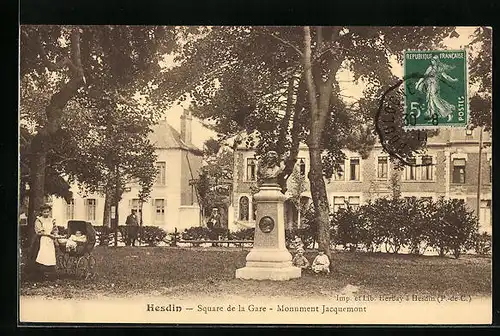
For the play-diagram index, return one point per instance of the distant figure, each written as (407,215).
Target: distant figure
(215,225)
(321,263)
(300,261)
(214,222)
(132,228)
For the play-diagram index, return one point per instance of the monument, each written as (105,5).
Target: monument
(269,259)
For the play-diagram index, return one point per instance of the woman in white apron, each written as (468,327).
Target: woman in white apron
(46,232)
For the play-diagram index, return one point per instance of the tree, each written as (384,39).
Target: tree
(83,62)
(280,85)
(118,144)
(212,185)
(55,184)
(298,187)
(481,75)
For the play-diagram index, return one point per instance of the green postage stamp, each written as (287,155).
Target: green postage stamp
(436,89)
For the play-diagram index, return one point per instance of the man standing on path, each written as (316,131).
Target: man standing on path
(132,228)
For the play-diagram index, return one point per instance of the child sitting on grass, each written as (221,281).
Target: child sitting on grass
(321,263)
(300,261)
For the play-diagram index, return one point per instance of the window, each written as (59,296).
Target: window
(338,203)
(411,171)
(244,208)
(161,173)
(251,170)
(159,210)
(135,204)
(338,171)
(302,167)
(458,171)
(382,168)
(354,202)
(354,170)
(90,206)
(70,209)
(485,212)
(427,168)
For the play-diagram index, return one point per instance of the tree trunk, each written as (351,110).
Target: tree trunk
(37,181)
(320,200)
(298,217)
(319,100)
(106,222)
(54,113)
(106,217)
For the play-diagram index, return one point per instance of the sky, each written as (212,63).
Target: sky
(349,88)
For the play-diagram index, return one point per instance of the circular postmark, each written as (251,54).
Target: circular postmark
(433,94)
(266,224)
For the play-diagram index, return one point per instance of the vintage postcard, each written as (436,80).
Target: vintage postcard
(255,175)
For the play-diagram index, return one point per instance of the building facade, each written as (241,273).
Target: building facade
(173,201)
(453,173)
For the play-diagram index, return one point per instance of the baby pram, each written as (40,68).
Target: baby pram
(78,261)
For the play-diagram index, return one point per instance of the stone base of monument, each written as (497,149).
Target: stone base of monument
(268,264)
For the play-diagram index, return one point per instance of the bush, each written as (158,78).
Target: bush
(152,235)
(482,244)
(453,227)
(196,233)
(307,231)
(348,227)
(243,234)
(418,224)
(104,236)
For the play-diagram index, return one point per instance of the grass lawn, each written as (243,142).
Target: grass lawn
(186,272)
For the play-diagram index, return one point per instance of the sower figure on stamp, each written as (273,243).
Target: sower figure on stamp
(132,228)
(429,84)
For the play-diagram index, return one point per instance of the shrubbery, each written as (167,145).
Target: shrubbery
(483,244)
(243,234)
(152,235)
(446,225)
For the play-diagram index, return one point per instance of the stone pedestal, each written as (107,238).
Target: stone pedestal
(269,259)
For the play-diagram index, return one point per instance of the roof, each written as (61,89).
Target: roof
(164,136)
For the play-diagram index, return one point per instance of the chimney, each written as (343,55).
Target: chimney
(186,121)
